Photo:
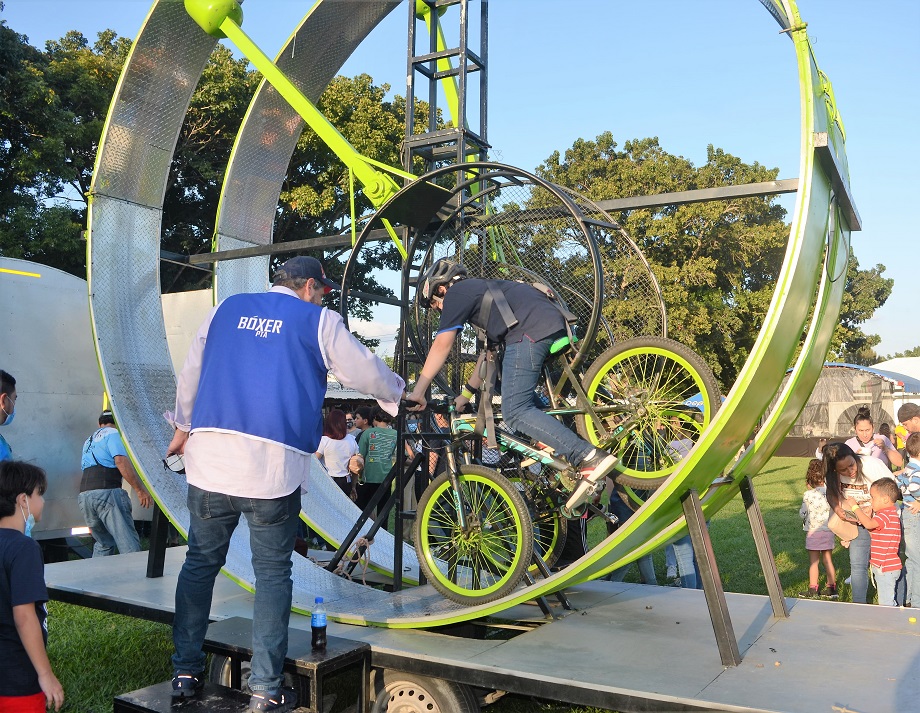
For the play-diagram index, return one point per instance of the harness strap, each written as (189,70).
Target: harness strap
(485,416)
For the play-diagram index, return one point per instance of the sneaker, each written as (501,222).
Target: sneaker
(671,573)
(186,685)
(284,699)
(830,591)
(811,593)
(591,473)
(847,580)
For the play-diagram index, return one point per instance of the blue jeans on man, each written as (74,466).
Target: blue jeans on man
(521,370)
(107,512)
(272,528)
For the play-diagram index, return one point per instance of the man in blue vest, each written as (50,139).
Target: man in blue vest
(248,419)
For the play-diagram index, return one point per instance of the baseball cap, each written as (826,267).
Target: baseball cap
(907,412)
(304,267)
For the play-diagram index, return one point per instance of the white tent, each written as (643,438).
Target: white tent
(909,366)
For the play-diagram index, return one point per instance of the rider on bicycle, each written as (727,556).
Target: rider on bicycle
(536,324)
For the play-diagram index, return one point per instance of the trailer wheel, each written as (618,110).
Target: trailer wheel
(219,671)
(397,692)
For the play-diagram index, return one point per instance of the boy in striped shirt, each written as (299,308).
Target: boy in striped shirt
(885,528)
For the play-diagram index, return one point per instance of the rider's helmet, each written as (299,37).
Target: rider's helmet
(442,272)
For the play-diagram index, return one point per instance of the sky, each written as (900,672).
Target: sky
(690,73)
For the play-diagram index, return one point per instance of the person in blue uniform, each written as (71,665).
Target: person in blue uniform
(7,410)
(248,420)
(105,505)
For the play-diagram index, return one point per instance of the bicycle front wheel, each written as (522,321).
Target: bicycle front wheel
(489,558)
(653,398)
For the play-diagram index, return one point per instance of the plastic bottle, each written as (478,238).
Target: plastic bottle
(318,625)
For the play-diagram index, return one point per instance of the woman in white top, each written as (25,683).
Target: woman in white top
(849,475)
(867,442)
(336,448)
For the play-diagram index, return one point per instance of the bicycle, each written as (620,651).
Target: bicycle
(475,528)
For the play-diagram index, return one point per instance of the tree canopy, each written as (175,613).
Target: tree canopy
(716,262)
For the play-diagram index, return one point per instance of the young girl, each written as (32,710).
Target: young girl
(819,541)
(27,683)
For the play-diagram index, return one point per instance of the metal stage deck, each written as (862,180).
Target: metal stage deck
(626,647)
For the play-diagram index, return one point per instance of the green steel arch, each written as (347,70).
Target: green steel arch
(124,231)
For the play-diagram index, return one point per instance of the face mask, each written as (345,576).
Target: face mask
(9,416)
(29,521)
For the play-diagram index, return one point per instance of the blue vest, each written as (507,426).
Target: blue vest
(262,373)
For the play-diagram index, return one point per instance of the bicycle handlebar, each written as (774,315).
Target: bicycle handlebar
(442,406)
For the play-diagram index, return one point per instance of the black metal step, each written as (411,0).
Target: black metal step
(158,699)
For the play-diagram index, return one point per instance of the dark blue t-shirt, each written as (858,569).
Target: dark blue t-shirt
(22,581)
(537,317)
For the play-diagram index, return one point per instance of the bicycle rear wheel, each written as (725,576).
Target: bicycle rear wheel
(488,560)
(653,397)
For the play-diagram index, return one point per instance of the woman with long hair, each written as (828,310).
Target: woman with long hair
(849,475)
(867,442)
(336,449)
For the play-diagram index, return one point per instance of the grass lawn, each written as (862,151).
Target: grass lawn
(97,655)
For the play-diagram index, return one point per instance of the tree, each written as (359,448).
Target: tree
(910,353)
(865,292)
(52,108)
(716,262)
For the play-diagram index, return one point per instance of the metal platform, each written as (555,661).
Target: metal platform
(626,647)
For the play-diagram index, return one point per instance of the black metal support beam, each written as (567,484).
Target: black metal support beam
(722,193)
(764,551)
(712,582)
(828,158)
(749,190)
(156,555)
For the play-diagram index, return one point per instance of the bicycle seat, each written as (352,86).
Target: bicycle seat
(562,344)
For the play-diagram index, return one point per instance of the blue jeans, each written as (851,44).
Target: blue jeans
(646,564)
(272,528)
(108,514)
(885,584)
(670,559)
(686,564)
(521,370)
(859,565)
(646,571)
(910,524)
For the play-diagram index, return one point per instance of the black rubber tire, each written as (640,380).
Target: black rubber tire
(410,693)
(500,545)
(656,376)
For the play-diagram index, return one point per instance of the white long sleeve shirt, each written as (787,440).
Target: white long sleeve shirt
(237,465)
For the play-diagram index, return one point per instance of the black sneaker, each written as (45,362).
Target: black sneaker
(186,685)
(280,701)
(810,593)
(830,591)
